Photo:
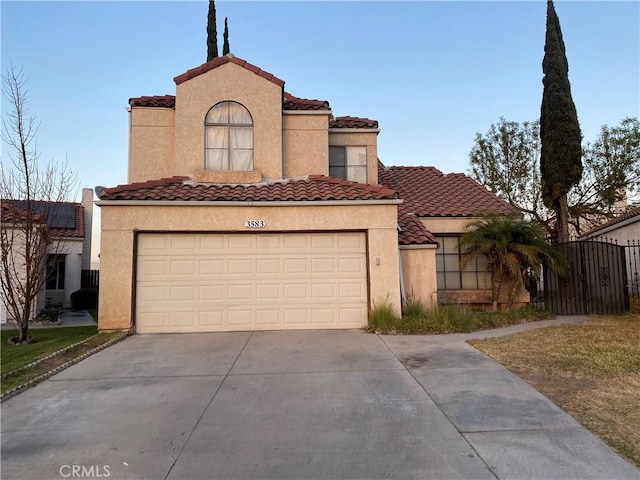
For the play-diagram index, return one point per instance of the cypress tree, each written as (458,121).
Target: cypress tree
(225,36)
(560,137)
(212,32)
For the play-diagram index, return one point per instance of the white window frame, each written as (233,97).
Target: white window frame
(227,133)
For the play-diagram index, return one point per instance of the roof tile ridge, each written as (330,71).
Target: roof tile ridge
(148,183)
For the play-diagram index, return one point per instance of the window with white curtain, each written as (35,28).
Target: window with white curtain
(228,141)
(349,163)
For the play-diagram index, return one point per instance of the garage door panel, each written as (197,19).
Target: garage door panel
(182,268)
(294,291)
(319,242)
(349,316)
(240,317)
(236,266)
(351,265)
(268,317)
(183,244)
(322,265)
(148,269)
(291,243)
(323,291)
(242,243)
(152,294)
(354,242)
(181,319)
(182,293)
(268,292)
(211,243)
(323,316)
(211,319)
(352,291)
(268,266)
(223,282)
(210,267)
(153,321)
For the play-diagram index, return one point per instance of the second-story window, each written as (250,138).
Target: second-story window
(228,141)
(348,162)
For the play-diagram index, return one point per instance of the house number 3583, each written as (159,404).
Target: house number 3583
(255,223)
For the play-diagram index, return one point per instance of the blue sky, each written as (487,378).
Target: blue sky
(432,73)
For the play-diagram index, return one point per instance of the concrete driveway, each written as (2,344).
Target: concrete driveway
(276,405)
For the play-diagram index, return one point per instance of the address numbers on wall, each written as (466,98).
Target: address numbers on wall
(255,224)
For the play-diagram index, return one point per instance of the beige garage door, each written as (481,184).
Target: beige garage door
(226,282)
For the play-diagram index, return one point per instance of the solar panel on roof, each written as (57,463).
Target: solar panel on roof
(58,215)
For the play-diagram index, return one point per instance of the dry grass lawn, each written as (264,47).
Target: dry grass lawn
(591,370)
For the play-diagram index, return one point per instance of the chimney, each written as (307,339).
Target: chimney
(87,206)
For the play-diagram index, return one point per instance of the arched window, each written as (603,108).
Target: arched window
(228,143)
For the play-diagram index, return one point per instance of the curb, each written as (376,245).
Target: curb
(44,376)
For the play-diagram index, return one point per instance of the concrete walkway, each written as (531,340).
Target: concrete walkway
(70,318)
(76,318)
(312,404)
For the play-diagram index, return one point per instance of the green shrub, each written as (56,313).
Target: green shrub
(383,317)
(446,318)
(85,298)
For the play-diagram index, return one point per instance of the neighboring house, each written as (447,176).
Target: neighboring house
(70,226)
(621,230)
(624,231)
(248,208)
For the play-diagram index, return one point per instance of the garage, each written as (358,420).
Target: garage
(214,282)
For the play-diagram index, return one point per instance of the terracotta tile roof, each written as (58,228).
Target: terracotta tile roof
(229,58)
(634,212)
(163,101)
(312,188)
(292,102)
(413,232)
(65,219)
(13,213)
(352,122)
(428,192)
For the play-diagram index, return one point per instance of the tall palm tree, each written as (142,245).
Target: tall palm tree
(513,246)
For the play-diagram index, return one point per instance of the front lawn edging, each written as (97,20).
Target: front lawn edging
(64,366)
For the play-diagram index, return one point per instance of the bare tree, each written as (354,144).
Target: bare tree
(29,192)
(507,161)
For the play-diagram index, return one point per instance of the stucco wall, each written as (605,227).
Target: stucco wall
(231,82)
(72,249)
(119,222)
(438,225)
(305,144)
(151,143)
(419,274)
(623,234)
(370,140)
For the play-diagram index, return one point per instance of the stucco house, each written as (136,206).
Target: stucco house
(69,223)
(248,208)
(622,229)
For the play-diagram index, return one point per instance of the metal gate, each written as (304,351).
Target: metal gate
(595,280)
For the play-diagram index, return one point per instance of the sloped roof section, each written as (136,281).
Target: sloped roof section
(161,101)
(427,192)
(352,122)
(292,102)
(635,212)
(13,214)
(311,188)
(229,58)
(413,232)
(65,219)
